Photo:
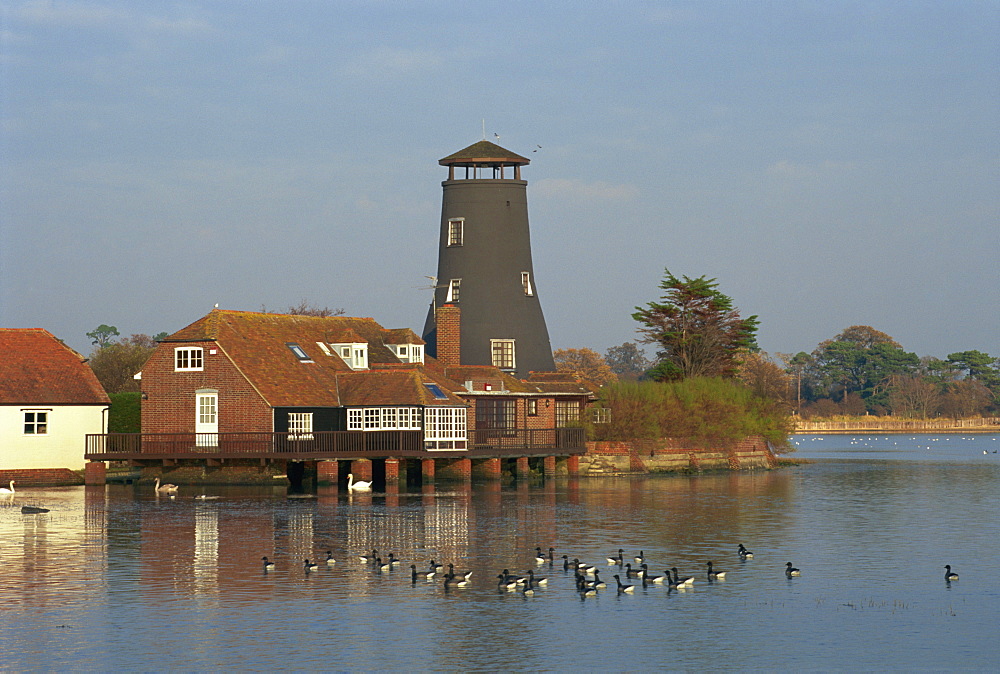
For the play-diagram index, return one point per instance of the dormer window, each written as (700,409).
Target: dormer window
(526,283)
(408,353)
(354,354)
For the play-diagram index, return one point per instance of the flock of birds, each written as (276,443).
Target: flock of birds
(587,576)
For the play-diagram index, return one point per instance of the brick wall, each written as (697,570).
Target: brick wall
(449,345)
(169,406)
(39,477)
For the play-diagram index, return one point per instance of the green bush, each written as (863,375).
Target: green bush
(125,416)
(709,410)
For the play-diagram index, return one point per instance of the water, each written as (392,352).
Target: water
(119,578)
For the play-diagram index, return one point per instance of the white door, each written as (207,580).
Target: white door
(206,425)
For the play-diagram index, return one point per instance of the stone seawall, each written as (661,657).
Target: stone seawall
(671,455)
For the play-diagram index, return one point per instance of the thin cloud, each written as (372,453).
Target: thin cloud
(393,63)
(581,190)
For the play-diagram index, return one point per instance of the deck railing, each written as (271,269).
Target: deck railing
(323,444)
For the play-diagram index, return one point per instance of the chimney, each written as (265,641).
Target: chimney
(449,341)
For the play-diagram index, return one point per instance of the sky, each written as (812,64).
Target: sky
(829,163)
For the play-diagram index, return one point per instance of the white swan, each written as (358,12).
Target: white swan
(164,488)
(5,490)
(357,486)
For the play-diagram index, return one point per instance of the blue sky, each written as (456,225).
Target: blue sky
(830,163)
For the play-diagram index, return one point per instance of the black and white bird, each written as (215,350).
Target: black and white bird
(268,565)
(657,580)
(950,575)
(425,575)
(715,575)
(623,587)
(309,566)
(744,553)
(791,570)
(686,580)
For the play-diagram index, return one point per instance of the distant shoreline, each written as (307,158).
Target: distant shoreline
(890,425)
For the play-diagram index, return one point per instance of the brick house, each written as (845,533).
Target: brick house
(248,372)
(49,401)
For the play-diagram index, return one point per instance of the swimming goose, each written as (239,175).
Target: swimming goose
(671,585)
(435,567)
(509,584)
(528,590)
(597,583)
(380,567)
(392,560)
(536,580)
(309,566)
(457,581)
(744,553)
(612,561)
(426,575)
(566,564)
(369,558)
(630,572)
(949,575)
(508,576)
(464,574)
(330,561)
(10,490)
(586,568)
(551,557)
(357,486)
(640,558)
(658,580)
(268,565)
(791,570)
(715,575)
(160,489)
(622,587)
(686,580)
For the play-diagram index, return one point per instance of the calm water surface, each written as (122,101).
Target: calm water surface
(115,577)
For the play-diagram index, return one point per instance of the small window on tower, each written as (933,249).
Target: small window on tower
(453,290)
(526,283)
(503,353)
(455,231)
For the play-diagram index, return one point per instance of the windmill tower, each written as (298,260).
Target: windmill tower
(484,264)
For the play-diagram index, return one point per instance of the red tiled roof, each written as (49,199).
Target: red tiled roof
(257,345)
(401,388)
(400,336)
(38,369)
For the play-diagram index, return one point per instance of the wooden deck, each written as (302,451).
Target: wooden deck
(327,445)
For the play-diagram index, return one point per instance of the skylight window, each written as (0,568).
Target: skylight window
(299,352)
(435,390)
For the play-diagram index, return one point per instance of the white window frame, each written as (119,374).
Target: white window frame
(602,415)
(498,347)
(355,419)
(567,413)
(300,425)
(38,423)
(454,290)
(384,419)
(189,359)
(445,428)
(456,226)
(526,283)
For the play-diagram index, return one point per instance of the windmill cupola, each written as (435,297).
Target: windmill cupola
(484,263)
(484,161)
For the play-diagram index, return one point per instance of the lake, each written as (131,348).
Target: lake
(117,577)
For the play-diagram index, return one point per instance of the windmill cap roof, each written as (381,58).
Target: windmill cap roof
(484,152)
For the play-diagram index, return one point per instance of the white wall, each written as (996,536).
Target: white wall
(61,447)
